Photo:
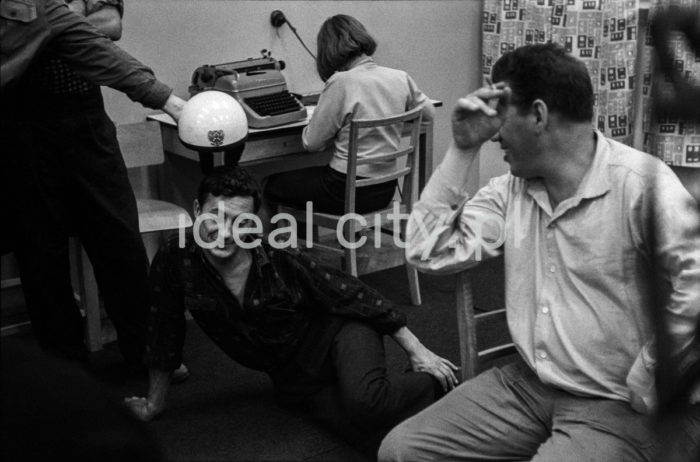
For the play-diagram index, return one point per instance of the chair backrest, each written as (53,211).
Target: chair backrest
(141,144)
(409,172)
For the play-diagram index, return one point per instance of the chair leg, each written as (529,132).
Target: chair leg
(351,261)
(466,325)
(350,252)
(89,299)
(414,285)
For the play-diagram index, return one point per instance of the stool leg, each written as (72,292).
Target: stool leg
(414,285)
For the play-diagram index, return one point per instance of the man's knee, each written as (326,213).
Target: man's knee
(396,446)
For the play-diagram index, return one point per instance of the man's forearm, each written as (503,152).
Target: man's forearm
(407,340)
(457,164)
(424,360)
(98,60)
(173,106)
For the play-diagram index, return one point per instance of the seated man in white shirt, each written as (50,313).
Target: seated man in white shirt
(585,225)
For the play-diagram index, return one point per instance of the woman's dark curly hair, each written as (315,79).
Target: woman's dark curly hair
(549,73)
(229,182)
(340,40)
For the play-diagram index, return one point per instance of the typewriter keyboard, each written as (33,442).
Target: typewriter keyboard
(274,103)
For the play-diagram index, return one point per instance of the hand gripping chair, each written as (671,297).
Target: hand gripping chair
(377,258)
(141,147)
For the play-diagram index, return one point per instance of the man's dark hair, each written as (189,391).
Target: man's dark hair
(229,182)
(340,40)
(549,73)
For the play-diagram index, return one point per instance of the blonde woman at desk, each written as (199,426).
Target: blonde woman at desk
(354,84)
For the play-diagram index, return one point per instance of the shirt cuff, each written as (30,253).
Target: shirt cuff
(99,4)
(443,191)
(156,96)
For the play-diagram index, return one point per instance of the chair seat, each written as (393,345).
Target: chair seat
(330,220)
(155,215)
(370,258)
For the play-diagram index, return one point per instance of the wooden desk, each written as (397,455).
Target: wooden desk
(267,151)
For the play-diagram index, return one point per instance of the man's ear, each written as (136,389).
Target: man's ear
(196,208)
(541,113)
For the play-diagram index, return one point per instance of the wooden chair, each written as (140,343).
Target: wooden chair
(377,258)
(468,322)
(141,147)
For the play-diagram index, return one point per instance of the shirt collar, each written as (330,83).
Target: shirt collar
(595,182)
(361,61)
(260,252)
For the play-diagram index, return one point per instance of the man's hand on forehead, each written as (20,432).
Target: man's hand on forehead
(504,98)
(477,116)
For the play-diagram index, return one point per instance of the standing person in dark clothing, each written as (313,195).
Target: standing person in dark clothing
(64,174)
(317,332)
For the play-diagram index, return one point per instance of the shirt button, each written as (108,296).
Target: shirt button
(552,269)
(541,354)
(545,309)
(550,234)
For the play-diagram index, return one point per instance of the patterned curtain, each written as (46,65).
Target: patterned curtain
(676,141)
(602,33)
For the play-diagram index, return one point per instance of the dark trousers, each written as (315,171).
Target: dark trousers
(64,175)
(325,187)
(354,395)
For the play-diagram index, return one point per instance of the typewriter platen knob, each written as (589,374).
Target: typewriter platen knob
(282,64)
(206,75)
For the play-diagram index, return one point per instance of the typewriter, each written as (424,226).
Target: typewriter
(258,84)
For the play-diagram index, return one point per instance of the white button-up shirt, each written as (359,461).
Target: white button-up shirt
(368,91)
(578,297)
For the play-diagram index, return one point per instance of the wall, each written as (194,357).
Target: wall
(437,42)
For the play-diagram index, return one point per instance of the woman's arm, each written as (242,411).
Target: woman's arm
(327,119)
(428,110)
(418,98)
